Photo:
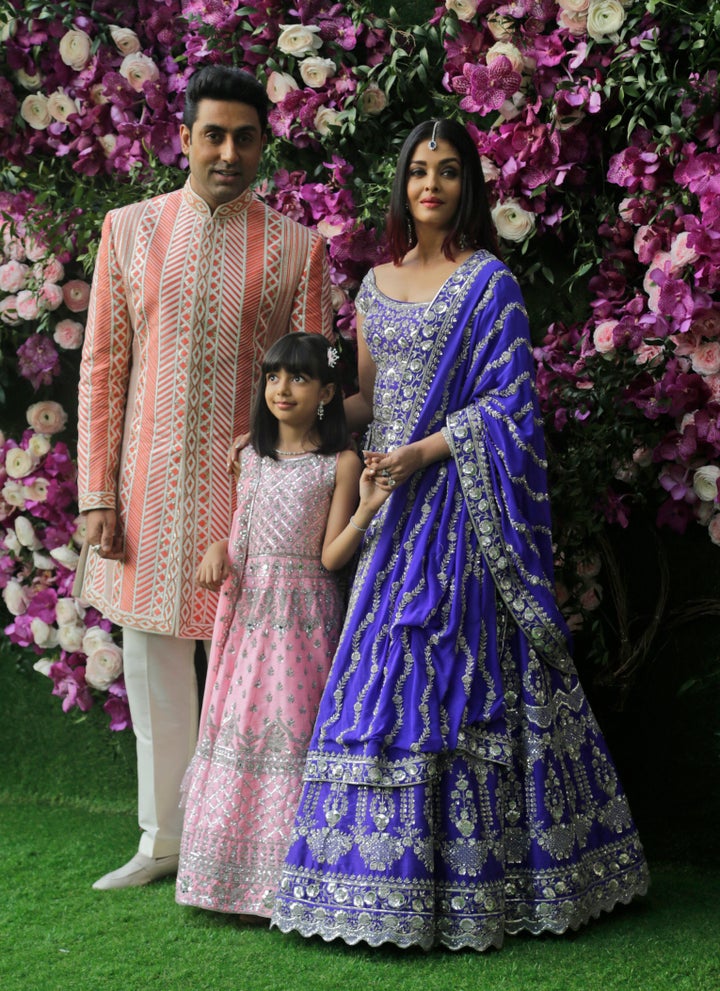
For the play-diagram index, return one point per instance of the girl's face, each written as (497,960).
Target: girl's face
(434,184)
(293,397)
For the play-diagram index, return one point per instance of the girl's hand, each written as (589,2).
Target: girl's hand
(394,467)
(214,567)
(372,495)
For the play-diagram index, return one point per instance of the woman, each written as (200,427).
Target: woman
(457,786)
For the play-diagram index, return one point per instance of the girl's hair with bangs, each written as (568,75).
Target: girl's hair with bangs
(300,354)
(472,225)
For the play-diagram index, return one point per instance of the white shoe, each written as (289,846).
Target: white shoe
(138,871)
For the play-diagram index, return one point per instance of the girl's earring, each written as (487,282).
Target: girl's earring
(321,411)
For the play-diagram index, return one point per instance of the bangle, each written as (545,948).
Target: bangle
(353,524)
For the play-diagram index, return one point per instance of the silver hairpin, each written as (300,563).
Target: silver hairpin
(332,357)
(432,143)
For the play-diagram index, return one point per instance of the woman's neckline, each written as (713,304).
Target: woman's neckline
(421,302)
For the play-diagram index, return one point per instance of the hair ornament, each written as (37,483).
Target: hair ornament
(332,357)
(432,143)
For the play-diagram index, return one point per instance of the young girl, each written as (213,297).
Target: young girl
(278,621)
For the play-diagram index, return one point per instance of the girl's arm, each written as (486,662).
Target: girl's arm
(348,519)
(214,567)
(358,408)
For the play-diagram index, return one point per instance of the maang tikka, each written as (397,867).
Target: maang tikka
(432,143)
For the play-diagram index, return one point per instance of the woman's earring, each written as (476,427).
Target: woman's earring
(321,411)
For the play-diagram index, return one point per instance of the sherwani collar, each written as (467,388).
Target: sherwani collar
(231,209)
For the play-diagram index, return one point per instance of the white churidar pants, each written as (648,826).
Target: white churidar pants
(163,697)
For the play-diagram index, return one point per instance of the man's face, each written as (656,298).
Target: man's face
(223,149)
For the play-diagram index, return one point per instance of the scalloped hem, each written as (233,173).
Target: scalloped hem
(353,934)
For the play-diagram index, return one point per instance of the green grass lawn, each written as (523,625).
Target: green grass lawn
(67,798)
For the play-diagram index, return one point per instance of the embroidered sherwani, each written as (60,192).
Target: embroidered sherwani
(184,305)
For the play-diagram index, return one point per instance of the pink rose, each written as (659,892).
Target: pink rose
(706,358)
(126,41)
(714,529)
(706,323)
(46,417)
(138,69)
(648,354)
(68,334)
(52,271)
(591,598)
(76,294)
(12,276)
(27,305)
(50,296)
(603,336)
(680,254)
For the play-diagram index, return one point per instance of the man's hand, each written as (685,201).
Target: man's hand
(102,534)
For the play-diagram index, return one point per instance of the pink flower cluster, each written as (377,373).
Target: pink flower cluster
(35,295)
(40,539)
(654,337)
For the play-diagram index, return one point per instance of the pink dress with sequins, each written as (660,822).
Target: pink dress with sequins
(275,634)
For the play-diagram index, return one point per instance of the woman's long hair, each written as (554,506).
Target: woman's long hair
(301,354)
(472,225)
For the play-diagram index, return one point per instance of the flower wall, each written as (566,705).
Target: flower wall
(599,130)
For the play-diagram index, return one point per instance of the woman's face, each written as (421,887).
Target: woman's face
(434,183)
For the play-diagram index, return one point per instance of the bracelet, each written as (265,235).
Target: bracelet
(353,524)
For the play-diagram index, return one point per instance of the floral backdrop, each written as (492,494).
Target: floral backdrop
(598,122)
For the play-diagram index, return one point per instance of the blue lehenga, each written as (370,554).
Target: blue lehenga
(457,787)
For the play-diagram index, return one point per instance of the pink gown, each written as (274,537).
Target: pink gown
(275,635)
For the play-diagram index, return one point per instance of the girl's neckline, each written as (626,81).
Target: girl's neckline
(293,454)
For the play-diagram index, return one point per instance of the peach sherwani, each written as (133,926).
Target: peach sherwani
(184,305)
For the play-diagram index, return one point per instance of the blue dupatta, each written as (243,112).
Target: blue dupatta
(460,558)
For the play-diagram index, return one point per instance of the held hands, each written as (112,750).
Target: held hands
(372,495)
(103,536)
(214,567)
(394,467)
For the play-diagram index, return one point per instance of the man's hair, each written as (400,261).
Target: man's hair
(224,82)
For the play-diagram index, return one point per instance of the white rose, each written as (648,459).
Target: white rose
(12,543)
(30,82)
(94,638)
(37,492)
(44,636)
(279,84)
(13,494)
(19,462)
(316,71)
(43,666)
(604,18)
(325,118)
(512,222)
(104,666)
(70,637)
(126,41)
(26,534)
(34,111)
(80,531)
(66,556)
(43,562)
(705,483)
(15,597)
(138,69)
(464,10)
(60,106)
(511,53)
(68,610)
(75,49)
(299,39)
(373,99)
(38,445)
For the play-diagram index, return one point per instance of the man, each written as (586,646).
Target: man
(190,289)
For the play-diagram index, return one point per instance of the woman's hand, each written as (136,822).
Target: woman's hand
(233,455)
(394,467)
